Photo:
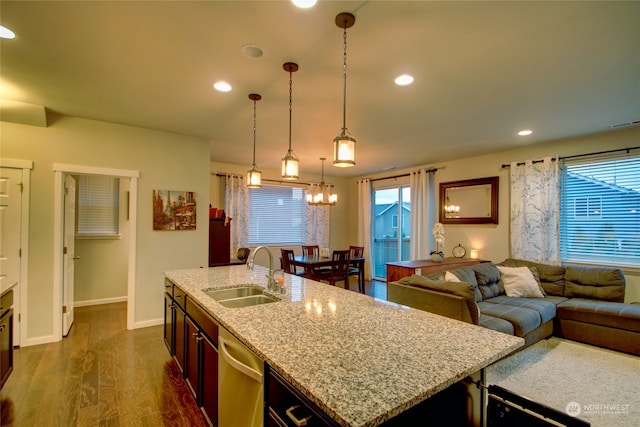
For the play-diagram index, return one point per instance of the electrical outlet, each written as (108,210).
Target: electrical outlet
(418,271)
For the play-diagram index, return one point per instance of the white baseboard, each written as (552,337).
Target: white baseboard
(147,323)
(99,301)
(38,340)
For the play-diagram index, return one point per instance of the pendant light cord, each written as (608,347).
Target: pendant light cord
(290,104)
(344,73)
(254,132)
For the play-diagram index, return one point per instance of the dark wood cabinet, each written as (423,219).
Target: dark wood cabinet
(6,336)
(219,241)
(191,335)
(287,407)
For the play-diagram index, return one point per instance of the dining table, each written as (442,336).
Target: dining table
(312,262)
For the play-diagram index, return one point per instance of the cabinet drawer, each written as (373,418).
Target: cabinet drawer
(6,301)
(204,320)
(285,405)
(179,296)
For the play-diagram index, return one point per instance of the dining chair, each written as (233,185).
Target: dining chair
(311,250)
(287,262)
(339,269)
(242,254)
(356,252)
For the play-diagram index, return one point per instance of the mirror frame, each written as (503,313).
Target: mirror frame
(492,219)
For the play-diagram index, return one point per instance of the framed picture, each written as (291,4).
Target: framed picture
(174,210)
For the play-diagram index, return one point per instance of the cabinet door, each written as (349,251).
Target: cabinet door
(219,241)
(192,357)
(209,380)
(6,345)
(179,342)
(169,323)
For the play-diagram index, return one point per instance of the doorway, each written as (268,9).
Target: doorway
(391,232)
(59,296)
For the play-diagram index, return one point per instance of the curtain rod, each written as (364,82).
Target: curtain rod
(220,174)
(579,155)
(398,176)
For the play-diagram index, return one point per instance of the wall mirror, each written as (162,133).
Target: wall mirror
(472,201)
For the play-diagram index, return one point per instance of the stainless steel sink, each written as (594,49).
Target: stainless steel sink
(247,301)
(239,292)
(241,296)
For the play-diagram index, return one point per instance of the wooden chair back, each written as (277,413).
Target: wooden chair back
(356,251)
(311,250)
(287,261)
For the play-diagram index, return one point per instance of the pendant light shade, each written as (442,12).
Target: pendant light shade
(254,176)
(320,194)
(344,145)
(290,163)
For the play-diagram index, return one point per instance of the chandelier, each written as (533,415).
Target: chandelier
(254,176)
(344,145)
(320,194)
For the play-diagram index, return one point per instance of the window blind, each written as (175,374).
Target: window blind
(98,205)
(600,211)
(277,215)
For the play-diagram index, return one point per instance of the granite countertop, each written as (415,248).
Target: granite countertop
(6,287)
(360,359)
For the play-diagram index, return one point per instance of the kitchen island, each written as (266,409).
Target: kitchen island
(361,360)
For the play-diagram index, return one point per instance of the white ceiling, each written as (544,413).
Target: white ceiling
(483,71)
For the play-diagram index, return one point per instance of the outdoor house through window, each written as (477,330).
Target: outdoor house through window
(600,209)
(98,198)
(277,215)
(391,231)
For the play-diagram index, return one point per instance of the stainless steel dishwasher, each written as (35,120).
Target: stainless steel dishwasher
(240,384)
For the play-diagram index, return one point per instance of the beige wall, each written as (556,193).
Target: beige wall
(164,161)
(492,240)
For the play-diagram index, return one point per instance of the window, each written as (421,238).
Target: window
(391,234)
(277,215)
(98,206)
(600,208)
(394,221)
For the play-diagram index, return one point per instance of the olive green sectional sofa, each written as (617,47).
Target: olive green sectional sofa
(580,303)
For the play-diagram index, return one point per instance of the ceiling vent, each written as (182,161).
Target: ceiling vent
(623,125)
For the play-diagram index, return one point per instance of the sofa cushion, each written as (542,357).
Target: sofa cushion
(601,283)
(551,276)
(488,279)
(545,308)
(466,274)
(605,313)
(524,320)
(461,289)
(496,324)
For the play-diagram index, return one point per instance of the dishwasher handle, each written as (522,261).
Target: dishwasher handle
(238,365)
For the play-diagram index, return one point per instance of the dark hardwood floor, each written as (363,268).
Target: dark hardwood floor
(101,374)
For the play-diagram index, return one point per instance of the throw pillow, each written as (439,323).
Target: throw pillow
(450,277)
(519,282)
(536,276)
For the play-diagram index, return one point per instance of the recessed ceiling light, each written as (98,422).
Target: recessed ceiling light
(222,86)
(404,80)
(6,33)
(525,132)
(304,4)
(252,51)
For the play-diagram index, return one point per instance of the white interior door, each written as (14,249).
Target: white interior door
(69,257)
(10,244)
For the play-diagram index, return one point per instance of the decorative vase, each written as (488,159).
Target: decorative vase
(437,257)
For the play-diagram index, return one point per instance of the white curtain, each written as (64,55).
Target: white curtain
(364,224)
(422,216)
(535,211)
(318,224)
(236,207)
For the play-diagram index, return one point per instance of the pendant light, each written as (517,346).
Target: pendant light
(344,146)
(290,163)
(254,176)
(320,194)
